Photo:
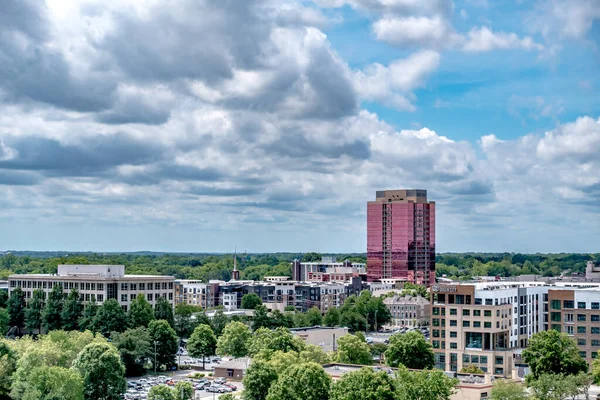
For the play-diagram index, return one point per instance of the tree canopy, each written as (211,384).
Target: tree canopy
(165,341)
(307,381)
(259,377)
(234,340)
(135,347)
(352,350)
(110,317)
(411,350)
(202,343)
(140,312)
(551,352)
(364,384)
(102,370)
(250,301)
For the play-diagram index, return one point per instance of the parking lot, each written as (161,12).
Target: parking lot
(138,388)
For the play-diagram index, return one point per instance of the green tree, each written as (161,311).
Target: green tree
(34,311)
(352,350)
(16,308)
(8,366)
(161,392)
(135,347)
(52,311)
(300,320)
(285,319)
(378,349)
(353,321)
(560,386)
(269,341)
(471,369)
(166,342)
(234,340)
(259,377)
(4,319)
(411,350)
(364,384)
(315,354)
(218,322)
(314,316)
(183,391)
(423,385)
(508,390)
(89,314)
(51,383)
(373,308)
(418,290)
(312,257)
(281,361)
(184,325)
(164,310)
(3,299)
(110,318)
(261,318)
(250,301)
(140,312)
(332,317)
(551,352)
(72,311)
(202,343)
(102,371)
(301,381)
(227,396)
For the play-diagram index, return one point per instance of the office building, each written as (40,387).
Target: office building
(401,237)
(485,324)
(101,281)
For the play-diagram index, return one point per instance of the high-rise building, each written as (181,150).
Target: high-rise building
(401,236)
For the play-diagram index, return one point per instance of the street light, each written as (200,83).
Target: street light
(155,343)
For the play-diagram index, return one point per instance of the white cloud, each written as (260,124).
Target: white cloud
(484,39)
(415,31)
(565,18)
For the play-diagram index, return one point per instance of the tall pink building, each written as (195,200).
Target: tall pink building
(401,236)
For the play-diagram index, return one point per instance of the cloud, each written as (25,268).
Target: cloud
(564,18)
(484,39)
(414,31)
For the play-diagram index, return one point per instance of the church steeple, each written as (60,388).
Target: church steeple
(235,274)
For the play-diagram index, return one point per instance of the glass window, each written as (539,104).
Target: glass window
(569,329)
(453,334)
(123,297)
(453,311)
(483,359)
(435,344)
(466,324)
(466,313)
(93,286)
(435,311)
(580,317)
(594,354)
(476,324)
(149,296)
(453,345)
(477,313)
(100,298)
(453,322)
(595,306)
(134,286)
(142,286)
(555,327)
(132,296)
(475,359)
(499,371)
(581,342)
(487,324)
(466,358)
(555,316)
(568,304)
(595,331)
(499,360)
(555,304)
(473,340)
(170,296)
(595,318)
(435,322)
(101,286)
(487,313)
(157,286)
(595,342)
(582,354)
(435,333)
(581,329)
(581,304)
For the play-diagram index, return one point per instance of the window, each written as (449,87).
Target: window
(124,286)
(477,313)
(435,333)
(580,317)
(101,298)
(568,304)
(476,324)
(489,302)
(487,324)
(595,342)
(582,354)
(581,342)
(132,296)
(483,360)
(453,322)
(170,285)
(134,286)
(466,313)
(569,330)
(475,359)
(149,296)
(435,344)
(499,371)
(142,286)
(101,286)
(435,311)
(435,322)
(499,360)
(487,313)
(156,286)
(594,354)
(123,297)
(595,306)
(581,304)
(453,311)
(466,359)
(581,329)
(555,304)
(453,334)
(595,318)
(466,324)
(164,285)
(170,296)
(595,331)
(568,317)
(453,345)
(87,297)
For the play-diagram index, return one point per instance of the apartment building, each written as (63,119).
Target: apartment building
(327,270)
(576,312)
(485,324)
(408,311)
(192,292)
(101,281)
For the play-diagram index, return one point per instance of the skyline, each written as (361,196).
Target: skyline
(268,125)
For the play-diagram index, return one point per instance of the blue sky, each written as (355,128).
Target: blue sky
(137,125)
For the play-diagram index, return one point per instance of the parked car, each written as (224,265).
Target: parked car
(220,380)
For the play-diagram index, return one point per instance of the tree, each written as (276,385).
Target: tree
(219,321)
(52,311)
(167,343)
(314,354)
(301,381)
(50,383)
(184,326)
(314,316)
(8,366)
(140,312)
(560,386)
(281,361)
(364,384)
(418,290)
(332,317)
(3,299)
(353,321)
(161,392)
(234,340)
(300,320)
(250,301)
(471,369)
(551,352)
(202,343)
(102,371)
(423,385)
(34,311)
(352,350)
(164,310)
(72,311)
(227,396)
(135,347)
(507,390)
(411,350)
(16,308)
(110,318)
(4,319)
(269,341)
(183,391)
(86,322)
(378,349)
(373,308)
(259,377)
(261,318)
(285,319)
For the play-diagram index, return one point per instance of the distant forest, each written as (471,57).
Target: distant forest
(205,266)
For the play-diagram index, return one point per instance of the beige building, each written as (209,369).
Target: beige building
(101,281)
(325,337)
(408,311)
(192,292)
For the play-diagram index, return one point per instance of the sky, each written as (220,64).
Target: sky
(267,125)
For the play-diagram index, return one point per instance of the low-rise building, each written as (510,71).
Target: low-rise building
(234,369)
(324,337)
(192,292)
(101,282)
(327,270)
(408,311)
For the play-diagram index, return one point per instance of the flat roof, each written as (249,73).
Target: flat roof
(89,276)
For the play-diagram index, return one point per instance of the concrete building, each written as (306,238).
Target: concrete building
(322,336)
(192,292)
(592,271)
(327,270)
(485,324)
(101,281)
(401,236)
(234,369)
(4,286)
(408,311)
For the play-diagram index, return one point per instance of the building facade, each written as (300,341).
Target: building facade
(192,292)
(327,270)
(102,282)
(408,311)
(401,237)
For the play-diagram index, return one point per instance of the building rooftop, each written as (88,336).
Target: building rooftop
(237,363)
(418,300)
(315,328)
